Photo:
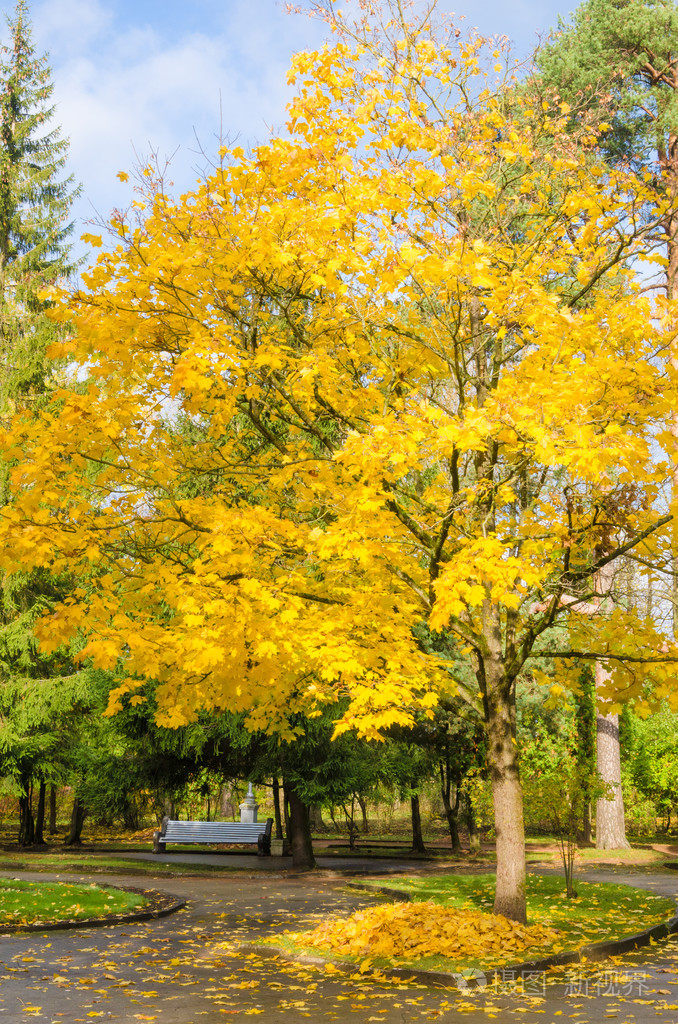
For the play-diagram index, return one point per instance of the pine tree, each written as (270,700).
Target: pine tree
(618,59)
(35,203)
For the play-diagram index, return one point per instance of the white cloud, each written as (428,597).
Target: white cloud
(126,86)
(134,75)
(68,25)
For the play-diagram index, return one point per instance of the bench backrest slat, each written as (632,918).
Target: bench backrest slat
(213,831)
(256,833)
(225,827)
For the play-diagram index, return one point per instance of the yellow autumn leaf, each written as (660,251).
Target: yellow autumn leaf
(424,928)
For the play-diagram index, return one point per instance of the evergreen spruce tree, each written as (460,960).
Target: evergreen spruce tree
(35,202)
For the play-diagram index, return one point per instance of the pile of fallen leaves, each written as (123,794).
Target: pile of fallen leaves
(426,929)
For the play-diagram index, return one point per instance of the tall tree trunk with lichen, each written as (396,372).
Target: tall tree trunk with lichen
(610,819)
(610,822)
(671,292)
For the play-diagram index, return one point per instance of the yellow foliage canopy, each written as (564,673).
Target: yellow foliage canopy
(390,369)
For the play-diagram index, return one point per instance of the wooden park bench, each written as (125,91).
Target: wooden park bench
(258,833)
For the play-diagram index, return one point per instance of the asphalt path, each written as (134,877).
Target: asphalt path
(251,862)
(187,968)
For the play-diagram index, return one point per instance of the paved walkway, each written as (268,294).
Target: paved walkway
(251,862)
(185,969)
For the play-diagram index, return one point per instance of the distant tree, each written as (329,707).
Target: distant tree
(652,752)
(319,770)
(35,200)
(586,726)
(41,728)
(449,747)
(35,203)
(617,59)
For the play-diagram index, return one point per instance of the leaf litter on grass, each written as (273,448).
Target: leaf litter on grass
(412,930)
(601,911)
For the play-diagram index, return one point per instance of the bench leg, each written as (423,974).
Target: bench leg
(158,845)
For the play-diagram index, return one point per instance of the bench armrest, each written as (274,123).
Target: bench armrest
(158,844)
(264,841)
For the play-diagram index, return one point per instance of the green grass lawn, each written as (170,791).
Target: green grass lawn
(636,855)
(82,863)
(600,912)
(23,902)
(366,849)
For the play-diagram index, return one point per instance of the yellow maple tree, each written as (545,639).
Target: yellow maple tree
(391,368)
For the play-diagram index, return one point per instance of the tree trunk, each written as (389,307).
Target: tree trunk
(52,810)
(276,808)
(453,821)
(507,793)
(363,811)
(77,821)
(587,824)
(586,723)
(286,813)
(315,815)
(610,824)
(38,838)
(507,797)
(451,812)
(417,834)
(671,291)
(26,822)
(349,816)
(300,829)
(473,835)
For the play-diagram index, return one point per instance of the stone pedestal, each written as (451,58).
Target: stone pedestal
(249,806)
(279,848)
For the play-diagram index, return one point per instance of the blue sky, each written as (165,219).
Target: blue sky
(131,77)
